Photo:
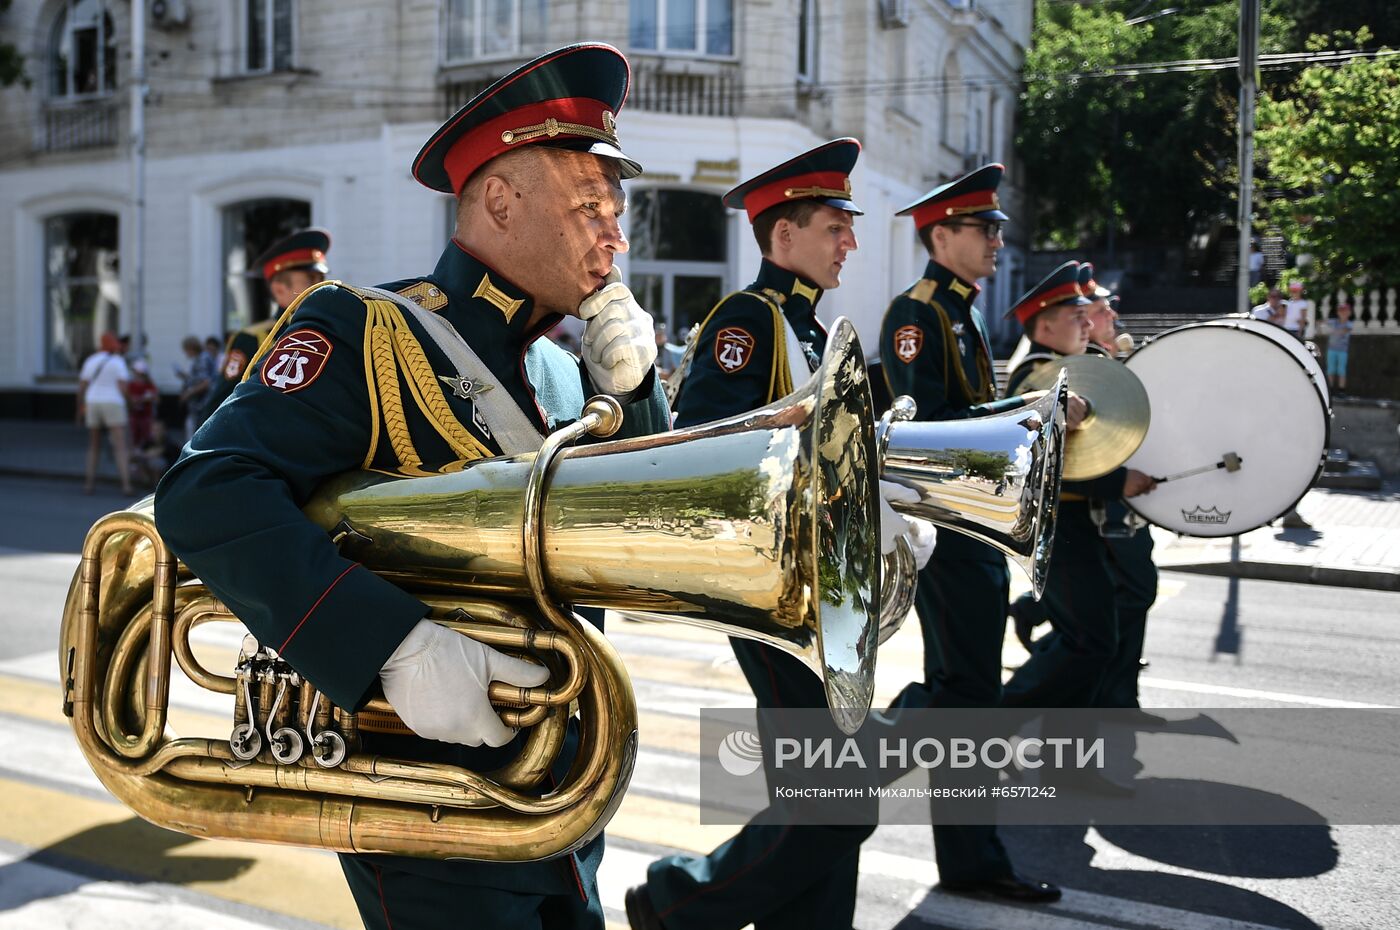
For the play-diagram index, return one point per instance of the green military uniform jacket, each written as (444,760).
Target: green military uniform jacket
(241,348)
(338,391)
(740,358)
(934,348)
(1105,487)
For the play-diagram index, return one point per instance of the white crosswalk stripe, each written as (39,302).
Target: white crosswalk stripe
(896,865)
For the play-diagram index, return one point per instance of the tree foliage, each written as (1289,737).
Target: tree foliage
(11,61)
(1328,140)
(1151,155)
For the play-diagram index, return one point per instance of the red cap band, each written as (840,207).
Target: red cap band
(1049,298)
(296,257)
(824,185)
(940,210)
(485,142)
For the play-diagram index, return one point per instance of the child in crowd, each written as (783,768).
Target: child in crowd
(1338,342)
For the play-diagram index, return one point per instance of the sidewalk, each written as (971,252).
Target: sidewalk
(1354,542)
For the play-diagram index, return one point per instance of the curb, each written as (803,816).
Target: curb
(1295,573)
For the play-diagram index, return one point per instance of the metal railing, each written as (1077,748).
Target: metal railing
(69,127)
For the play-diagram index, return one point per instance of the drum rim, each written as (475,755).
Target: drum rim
(1326,427)
(1252,323)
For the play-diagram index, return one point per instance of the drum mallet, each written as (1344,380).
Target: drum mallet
(1229,461)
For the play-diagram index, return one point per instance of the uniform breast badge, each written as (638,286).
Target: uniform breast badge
(469,389)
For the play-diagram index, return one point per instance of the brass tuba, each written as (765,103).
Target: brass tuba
(761,526)
(994,478)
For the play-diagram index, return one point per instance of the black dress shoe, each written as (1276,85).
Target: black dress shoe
(1011,888)
(641,913)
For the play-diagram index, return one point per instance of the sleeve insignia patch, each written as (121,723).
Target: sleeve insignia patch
(908,343)
(234,364)
(296,361)
(733,349)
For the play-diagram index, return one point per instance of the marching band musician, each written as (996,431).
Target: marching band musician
(289,266)
(756,346)
(934,347)
(1068,667)
(358,383)
(1128,538)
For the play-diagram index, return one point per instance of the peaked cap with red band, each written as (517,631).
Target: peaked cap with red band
(305,248)
(972,195)
(567,99)
(823,175)
(1060,286)
(1088,286)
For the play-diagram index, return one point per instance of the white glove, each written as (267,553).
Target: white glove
(619,342)
(436,682)
(920,533)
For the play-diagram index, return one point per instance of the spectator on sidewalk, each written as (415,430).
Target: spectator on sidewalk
(1256,263)
(1297,311)
(1338,342)
(102,405)
(157,454)
(197,380)
(1271,310)
(141,396)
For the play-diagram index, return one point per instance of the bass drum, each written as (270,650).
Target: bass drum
(1219,388)
(1292,343)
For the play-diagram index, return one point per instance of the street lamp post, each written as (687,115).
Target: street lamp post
(1249,62)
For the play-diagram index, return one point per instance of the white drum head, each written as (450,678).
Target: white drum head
(1226,389)
(1290,342)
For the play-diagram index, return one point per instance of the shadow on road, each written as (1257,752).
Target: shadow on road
(108,853)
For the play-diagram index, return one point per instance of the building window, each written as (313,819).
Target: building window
(492,28)
(268,32)
(82,51)
(678,263)
(703,27)
(250,226)
(807,42)
(82,283)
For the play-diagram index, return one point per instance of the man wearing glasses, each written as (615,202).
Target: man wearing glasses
(935,349)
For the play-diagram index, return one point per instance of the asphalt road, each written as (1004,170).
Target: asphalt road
(69,856)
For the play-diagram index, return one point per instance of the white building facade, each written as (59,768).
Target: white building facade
(265,115)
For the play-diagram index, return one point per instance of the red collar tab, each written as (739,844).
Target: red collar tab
(564,118)
(820,185)
(295,259)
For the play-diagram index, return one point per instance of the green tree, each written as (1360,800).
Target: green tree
(11,61)
(1142,156)
(1328,140)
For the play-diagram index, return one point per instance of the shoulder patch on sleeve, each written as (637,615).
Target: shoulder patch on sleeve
(426,295)
(296,361)
(908,343)
(235,363)
(733,348)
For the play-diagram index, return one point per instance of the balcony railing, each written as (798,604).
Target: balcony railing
(699,88)
(709,93)
(69,127)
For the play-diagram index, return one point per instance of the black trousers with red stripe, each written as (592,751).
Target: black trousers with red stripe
(771,874)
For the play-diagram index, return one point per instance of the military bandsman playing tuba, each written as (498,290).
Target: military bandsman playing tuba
(353,383)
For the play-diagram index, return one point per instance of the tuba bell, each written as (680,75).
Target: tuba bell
(994,478)
(761,526)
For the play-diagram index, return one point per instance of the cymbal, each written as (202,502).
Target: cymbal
(1118,416)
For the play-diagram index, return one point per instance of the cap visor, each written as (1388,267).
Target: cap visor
(847,205)
(630,166)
